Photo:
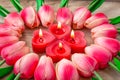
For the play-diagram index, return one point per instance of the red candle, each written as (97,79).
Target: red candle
(59,30)
(58,50)
(40,40)
(76,41)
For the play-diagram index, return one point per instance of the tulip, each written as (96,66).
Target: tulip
(7,41)
(109,43)
(8,30)
(66,70)
(15,20)
(64,16)
(80,16)
(104,30)
(96,20)
(46,15)
(26,65)
(102,55)
(30,17)
(45,69)
(85,64)
(13,52)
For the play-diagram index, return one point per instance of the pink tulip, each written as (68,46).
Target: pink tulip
(65,70)
(30,17)
(80,16)
(102,55)
(85,64)
(45,69)
(14,52)
(96,20)
(104,30)
(8,30)
(46,15)
(26,65)
(64,16)
(15,20)
(109,43)
(7,41)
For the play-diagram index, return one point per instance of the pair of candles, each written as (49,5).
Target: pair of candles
(58,43)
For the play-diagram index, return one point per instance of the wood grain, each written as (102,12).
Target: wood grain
(111,9)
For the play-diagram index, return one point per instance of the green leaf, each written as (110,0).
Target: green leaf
(64,3)
(11,76)
(115,20)
(3,12)
(93,78)
(119,52)
(5,71)
(117,62)
(95,4)
(39,3)
(17,5)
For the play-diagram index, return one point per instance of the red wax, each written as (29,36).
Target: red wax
(56,53)
(39,43)
(60,32)
(78,43)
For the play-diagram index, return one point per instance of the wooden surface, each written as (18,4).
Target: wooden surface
(111,9)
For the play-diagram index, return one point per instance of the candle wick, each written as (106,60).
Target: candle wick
(41,40)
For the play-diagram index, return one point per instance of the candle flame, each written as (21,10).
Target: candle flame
(60,45)
(40,33)
(72,34)
(59,25)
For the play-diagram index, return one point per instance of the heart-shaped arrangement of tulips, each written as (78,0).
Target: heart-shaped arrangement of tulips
(67,56)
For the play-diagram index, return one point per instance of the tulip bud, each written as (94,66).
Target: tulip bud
(7,30)
(45,69)
(109,43)
(13,52)
(64,16)
(80,16)
(65,70)
(15,20)
(46,15)
(104,30)
(102,55)
(85,64)
(7,41)
(30,17)
(96,20)
(26,65)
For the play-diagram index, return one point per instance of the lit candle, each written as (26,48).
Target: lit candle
(58,50)
(59,30)
(40,40)
(76,41)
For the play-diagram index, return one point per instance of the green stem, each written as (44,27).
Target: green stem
(17,5)
(116,62)
(5,71)
(113,66)
(39,3)
(64,3)
(2,62)
(11,76)
(118,30)
(97,76)
(3,12)
(93,78)
(17,77)
(95,4)
(115,20)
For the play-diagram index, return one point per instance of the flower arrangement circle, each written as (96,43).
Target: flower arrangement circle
(60,43)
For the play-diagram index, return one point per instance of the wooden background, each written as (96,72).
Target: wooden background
(111,8)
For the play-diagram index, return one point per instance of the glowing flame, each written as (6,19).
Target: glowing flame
(59,25)
(60,45)
(40,33)
(72,34)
